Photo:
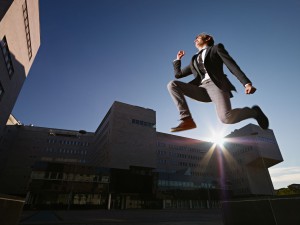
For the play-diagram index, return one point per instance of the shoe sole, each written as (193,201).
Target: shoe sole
(182,129)
(264,121)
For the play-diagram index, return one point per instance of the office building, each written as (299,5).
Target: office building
(180,171)
(19,43)
(29,144)
(126,137)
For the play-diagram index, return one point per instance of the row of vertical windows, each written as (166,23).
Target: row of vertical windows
(242,150)
(199,174)
(64,142)
(179,155)
(66,151)
(183,148)
(170,183)
(178,147)
(27,30)
(184,164)
(52,175)
(267,140)
(143,123)
(162,161)
(184,156)
(7,57)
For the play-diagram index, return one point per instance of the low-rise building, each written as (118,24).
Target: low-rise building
(180,171)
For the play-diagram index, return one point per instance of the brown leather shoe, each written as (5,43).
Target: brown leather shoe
(185,124)
(261,118)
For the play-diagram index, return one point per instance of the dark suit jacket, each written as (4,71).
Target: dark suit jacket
(215,57)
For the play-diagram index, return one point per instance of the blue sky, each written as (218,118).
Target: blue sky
(96,52)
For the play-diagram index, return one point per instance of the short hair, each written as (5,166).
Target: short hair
(206,36)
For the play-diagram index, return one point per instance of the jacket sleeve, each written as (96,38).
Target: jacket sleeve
(180,73)
(232,65)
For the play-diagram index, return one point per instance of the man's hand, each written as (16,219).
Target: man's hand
(180,54)
(249,89)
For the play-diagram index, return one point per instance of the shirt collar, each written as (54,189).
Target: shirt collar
(204,48)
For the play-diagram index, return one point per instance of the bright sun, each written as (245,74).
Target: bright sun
(217,138)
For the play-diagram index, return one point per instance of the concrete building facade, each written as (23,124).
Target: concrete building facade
(127,140)
(240,164)
(19,43)
(29,144)
(248,153)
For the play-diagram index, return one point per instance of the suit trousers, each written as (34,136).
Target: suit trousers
(207,92)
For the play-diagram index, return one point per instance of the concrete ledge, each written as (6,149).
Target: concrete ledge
(267,211)
(10,209)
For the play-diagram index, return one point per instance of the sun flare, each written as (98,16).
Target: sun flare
(217,138)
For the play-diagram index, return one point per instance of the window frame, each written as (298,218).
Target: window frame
(7,57)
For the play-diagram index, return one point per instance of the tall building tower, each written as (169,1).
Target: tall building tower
(126,137)
(19,43)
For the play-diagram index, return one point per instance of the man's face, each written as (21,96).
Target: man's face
(200,41)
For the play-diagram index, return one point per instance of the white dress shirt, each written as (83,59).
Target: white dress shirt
(206,76)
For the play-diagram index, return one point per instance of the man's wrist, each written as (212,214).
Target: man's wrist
(248,84)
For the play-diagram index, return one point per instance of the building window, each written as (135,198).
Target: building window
(1,91)
(27,30)
(143,123)
(7,57)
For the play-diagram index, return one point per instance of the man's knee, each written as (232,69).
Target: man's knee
(171,84)
(226,118)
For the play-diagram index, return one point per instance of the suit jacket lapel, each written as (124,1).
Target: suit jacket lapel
(207,51)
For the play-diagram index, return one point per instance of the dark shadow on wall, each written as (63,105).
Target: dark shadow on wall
(4,5)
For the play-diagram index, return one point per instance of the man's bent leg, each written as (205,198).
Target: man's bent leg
(178,90)
(226,114)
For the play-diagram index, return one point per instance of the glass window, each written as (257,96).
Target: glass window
(6,56)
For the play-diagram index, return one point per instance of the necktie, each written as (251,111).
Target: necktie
(200,63)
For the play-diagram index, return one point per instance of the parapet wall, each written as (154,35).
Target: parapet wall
(267,211)
(10,209)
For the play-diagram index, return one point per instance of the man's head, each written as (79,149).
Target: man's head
(204,39)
